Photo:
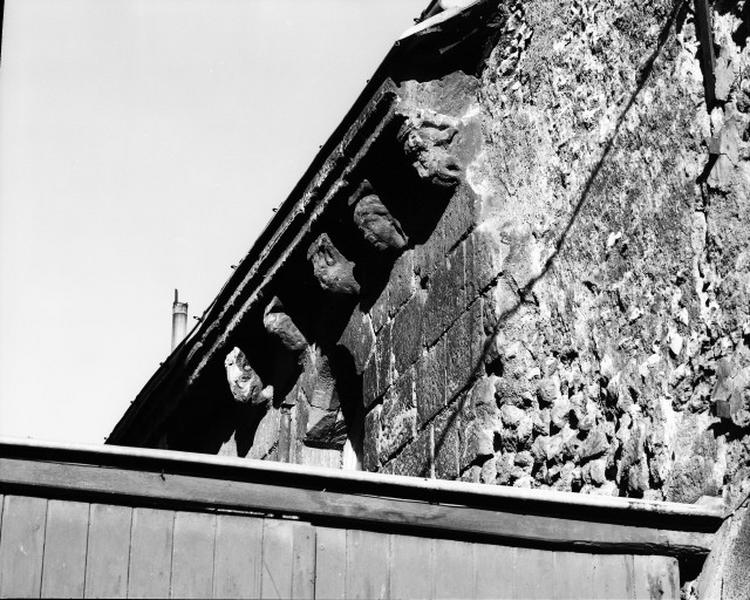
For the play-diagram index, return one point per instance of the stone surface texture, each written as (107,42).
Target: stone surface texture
(588,328)
(565,303)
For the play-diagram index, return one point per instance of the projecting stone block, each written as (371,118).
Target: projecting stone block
(358,338)
(332,270)
(266,434)
(325,428)
(430,387)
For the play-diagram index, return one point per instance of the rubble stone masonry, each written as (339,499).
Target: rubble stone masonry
(539,276)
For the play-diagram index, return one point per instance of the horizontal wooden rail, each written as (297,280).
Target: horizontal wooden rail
(435,508)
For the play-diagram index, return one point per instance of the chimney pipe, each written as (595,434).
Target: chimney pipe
(179,320)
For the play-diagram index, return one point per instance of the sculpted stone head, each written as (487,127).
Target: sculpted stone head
(426,140)
(332,270)
(244,383)
(280,325)
(378,226)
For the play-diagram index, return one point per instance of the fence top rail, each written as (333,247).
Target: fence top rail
(311,477)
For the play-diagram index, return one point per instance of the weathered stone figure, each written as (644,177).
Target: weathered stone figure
(378,226)
(244,383)
(280,325)
(426,137)
(332,270)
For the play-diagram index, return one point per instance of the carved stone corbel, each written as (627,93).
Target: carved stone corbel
(244,383)
(426,137)
(280,325)
(332,270)
(378,226)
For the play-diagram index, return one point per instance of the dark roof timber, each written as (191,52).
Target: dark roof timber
(442,43)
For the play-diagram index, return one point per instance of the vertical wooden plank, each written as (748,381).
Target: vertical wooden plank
(572,575)
(533,568)
(108,551)
(237,557)
(412,566)
(656,577)
(278,558)
(494,568)
(612,574)
(454,570)
(303,568)
(330,563)
(64,563)
(630,577)
(150,553)
(367,562)
(22,546)
(193,555)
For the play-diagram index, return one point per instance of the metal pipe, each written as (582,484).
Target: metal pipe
(179,320)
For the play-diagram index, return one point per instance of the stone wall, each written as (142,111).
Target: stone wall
(579,318)
(538,275)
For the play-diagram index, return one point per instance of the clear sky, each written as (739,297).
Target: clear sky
(143,144)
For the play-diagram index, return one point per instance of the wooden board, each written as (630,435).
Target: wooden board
(303,567)
(66,534)
(612,578)
(367,564)
(529,563)
(656,578)
(108,551)
(412,567)
(22,546)
(238,557)
(176,489)
(278,558)
(494,571)
(193,555)
(150,553)
(454,569)
(330,563)
(572,575)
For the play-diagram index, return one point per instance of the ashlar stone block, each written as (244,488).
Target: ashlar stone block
(430,387)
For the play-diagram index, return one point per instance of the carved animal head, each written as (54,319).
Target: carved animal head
(426,141)
(280,325)
(332,270)
(244,382)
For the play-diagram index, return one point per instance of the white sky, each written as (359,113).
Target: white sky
(143,144)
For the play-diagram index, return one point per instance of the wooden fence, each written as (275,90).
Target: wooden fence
(109,522)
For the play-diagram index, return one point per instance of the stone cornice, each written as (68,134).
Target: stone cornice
(379,111)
